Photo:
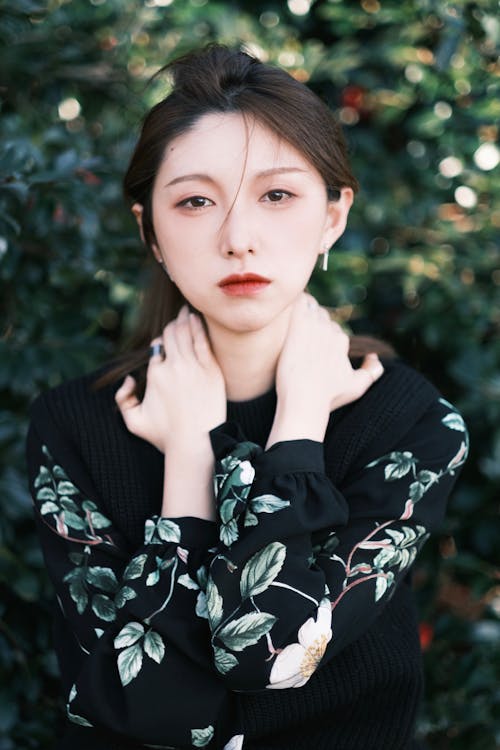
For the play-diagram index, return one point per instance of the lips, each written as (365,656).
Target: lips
(243,284)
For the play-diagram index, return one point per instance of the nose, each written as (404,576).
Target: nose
(237,233)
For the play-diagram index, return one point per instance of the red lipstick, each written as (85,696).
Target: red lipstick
(242,285)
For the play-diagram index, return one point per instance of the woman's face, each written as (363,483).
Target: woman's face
(240,217)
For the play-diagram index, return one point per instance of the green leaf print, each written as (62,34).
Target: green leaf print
(66,488)
(246,630)
(59,472)
(99,521)
(214,604)
(229,533)
(68,504)
(250,519)
(104,607)
(227,508)
(201,605)
(46,494)
(49,507)
(75,719)
(135,567)
(124,595)
(74,521)
(154,646)
(129,634)
(162,530)
(102,578)
(403,463)
(78,593)
(43,477)
(268,504)
(129,663)
(454,421)
(224,661)
(201,737)
(188,583)
(382,584)
(262,568)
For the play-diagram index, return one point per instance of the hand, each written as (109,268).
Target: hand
(185,392)
(314,375)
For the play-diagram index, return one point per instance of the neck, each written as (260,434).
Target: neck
(248,360)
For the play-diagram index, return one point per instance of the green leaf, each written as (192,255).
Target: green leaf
(403,463)
(102,578)
(268,504)
(135,568)
(228,533)
(227,508)
(246,630)
(124,595)
(186,581)
(46,494)
(48,507)
(68,504)
(201,608)
(262,568)
(163,530)
(43,477)
(74,521)
(153,578)
(99,521)
(250,519)
(214,604)
(79,595)
(129,634)
(201,737)
(154,646)
(59,472)
(75,719)
(89,505)
(416,491)
(66,488)
(104,607)
(454,422)
(224,661)
(129,663)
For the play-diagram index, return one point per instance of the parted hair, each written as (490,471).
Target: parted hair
(221,79)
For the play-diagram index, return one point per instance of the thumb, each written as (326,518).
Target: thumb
(127,401)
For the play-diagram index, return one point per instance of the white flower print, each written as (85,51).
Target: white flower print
(247,472)
(297,662)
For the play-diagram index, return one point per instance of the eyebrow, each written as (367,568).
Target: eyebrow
(258,175)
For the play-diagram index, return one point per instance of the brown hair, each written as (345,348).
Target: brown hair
(219,79)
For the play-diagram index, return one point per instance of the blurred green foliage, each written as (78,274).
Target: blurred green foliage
(416,84)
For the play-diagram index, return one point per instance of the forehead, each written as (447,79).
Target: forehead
(223,141)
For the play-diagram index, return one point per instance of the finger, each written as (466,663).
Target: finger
(182,333)
(126,399)
(201,344)
(370,371)
(156,350)
(169,341)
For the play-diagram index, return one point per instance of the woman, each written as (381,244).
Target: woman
(230,518)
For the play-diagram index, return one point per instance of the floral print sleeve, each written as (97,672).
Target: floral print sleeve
(303,568)
(139,620)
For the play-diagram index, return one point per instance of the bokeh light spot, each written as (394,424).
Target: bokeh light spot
(69,109)
(465,196)
(487,156)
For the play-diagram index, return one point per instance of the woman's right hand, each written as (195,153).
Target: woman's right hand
(185,393)
(314,375)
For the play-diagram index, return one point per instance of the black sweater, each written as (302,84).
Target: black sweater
(287,623)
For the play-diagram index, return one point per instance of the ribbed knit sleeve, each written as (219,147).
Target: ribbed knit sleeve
(303,569)
(145,666)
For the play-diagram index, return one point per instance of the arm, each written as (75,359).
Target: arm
(144,668)
(303,568)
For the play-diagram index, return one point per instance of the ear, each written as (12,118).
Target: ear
(338,211)
(138,210)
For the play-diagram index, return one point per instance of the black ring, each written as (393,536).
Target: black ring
(156,349)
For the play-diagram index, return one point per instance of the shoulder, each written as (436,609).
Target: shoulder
(75,408)
(392,409)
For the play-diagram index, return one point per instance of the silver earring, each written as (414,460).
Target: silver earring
(164,267)
(324,262)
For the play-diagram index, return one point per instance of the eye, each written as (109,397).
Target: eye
(277,196)
(195,201)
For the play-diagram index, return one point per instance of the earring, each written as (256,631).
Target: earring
(324,262)
(163,265)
